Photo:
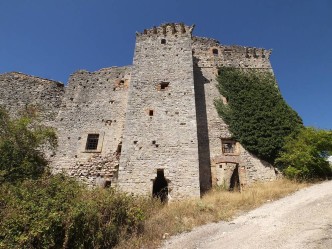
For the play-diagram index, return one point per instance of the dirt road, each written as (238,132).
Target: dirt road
(302,220)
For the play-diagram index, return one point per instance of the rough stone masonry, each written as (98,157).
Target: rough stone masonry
(150,128)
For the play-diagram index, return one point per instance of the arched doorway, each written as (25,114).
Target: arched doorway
(160,186)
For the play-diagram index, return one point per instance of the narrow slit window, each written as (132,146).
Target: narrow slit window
(119,149)
(151,113)
(92,142)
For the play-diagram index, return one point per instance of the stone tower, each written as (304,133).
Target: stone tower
(160,147)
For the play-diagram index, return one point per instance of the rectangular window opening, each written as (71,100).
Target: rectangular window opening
(92,142)
(228,147)
(150,112)
(215,52)
(164,85)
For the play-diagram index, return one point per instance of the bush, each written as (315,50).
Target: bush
(21,144)
(56,212)
(257,115)
(305,156)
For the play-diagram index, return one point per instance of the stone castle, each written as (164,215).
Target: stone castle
(150,128)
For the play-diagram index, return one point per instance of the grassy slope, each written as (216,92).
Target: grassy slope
(215,206)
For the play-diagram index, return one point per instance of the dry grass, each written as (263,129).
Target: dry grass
(216,205)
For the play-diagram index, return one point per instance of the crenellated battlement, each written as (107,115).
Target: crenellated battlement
(248,52)
(209,52)
(167,29)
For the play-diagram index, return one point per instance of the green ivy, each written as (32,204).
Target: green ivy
(257,115)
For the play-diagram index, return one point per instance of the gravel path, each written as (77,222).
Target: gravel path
(302,220)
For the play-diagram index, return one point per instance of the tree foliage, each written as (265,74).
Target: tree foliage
(22,141)
(257,115)
(305,156)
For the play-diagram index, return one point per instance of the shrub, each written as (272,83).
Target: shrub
(305,156)
(56,212)
(21,144)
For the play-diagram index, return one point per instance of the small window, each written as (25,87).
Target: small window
(164,85)
(119,148)
(150,112)
(92,142)
(215,51)
(163,41)
(228,147)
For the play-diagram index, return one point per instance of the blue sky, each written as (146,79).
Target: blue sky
(54,38)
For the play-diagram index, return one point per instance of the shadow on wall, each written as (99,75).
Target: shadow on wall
(202,129)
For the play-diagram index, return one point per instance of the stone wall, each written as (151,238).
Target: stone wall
(18,91)
(99,170)
(161,130)
(94,103)
(209,55)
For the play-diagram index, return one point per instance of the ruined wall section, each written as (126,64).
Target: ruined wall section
(18,90)
(94,103)
(209,55)
(161,131)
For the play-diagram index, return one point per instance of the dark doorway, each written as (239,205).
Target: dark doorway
(235,180)
(160,186)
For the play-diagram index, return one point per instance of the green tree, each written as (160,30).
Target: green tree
(22,142)
(305,156)
(257,115)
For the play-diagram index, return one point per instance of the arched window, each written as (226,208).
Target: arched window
(215,52)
